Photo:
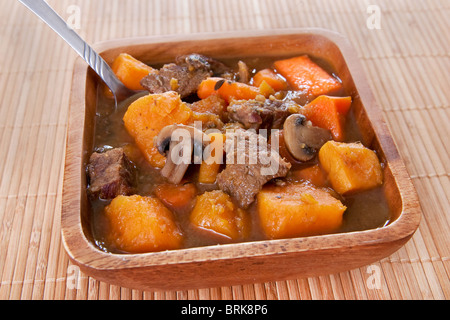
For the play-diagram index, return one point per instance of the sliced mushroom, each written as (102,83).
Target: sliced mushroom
(243,72)
(302,139)
(178,142)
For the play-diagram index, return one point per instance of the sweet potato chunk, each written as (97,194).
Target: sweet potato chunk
(130,71)
(141,224)
(214,211)
(147,115)
(351,167)
(296,210)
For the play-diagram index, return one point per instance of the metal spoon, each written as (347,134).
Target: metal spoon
(54,21)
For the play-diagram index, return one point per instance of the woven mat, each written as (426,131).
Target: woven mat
(407,62)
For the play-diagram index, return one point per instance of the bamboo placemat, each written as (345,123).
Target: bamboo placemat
(407,62)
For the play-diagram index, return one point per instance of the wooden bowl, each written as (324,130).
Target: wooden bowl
(240,263)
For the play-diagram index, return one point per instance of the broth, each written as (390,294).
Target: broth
(365,210)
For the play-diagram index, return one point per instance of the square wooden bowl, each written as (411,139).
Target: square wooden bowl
(240,263)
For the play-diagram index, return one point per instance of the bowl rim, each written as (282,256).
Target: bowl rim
(76,242)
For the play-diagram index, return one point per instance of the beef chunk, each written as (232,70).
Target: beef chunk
(257,114)
(246,112)
(173,77)
(195,60)
(110,174)
(185,75)
(213,104)
(249,166)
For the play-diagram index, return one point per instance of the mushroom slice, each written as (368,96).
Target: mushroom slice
(302,139)
(243,72)
(178,142)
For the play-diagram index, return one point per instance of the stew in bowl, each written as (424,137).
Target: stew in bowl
(231,150)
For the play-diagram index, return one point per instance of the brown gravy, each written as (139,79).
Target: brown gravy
(365,210)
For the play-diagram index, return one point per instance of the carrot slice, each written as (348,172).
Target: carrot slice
(130,71)
(342,104)
(176,196)
(226,89)
(329,113)
(313,174)
(209,170)
(306,76)
(274,80)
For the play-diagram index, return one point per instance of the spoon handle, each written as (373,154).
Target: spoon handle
(95,61)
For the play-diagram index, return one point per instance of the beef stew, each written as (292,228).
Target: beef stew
(233,99)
